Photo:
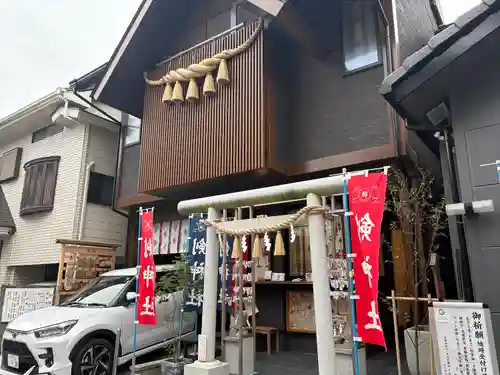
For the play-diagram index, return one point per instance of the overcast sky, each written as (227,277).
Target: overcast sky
(47,43)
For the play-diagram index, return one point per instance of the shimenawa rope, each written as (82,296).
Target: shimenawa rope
(285,224)
(205,66)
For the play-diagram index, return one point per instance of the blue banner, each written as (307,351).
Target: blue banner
(195,257)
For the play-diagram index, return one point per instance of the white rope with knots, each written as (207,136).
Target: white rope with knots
(285,224)
(205,66)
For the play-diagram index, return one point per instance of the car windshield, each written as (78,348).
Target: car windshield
(101,292)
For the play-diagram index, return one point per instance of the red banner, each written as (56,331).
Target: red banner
(146,303)
(366,202)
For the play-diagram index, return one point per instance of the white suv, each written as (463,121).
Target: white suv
(78,337)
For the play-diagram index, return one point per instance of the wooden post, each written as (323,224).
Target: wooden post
(396,330)
(223,292)
(254,318)
(239,216)
(60,275)
(433,370)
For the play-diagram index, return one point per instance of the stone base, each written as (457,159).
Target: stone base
(207,368)
(424,350)
(232,354)
(344,363)
(149,368)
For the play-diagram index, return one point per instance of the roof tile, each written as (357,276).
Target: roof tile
(471,15)
(417,57)
(439,41)
(443,36)
(392,78)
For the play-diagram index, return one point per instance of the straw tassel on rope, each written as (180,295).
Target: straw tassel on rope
(192,94)
(178,95)
(279,245)
(167,94)
(257,248)
(204,68)
(209,85)
(236,254)
(223,73)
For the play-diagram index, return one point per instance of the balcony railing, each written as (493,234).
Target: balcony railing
(215,136)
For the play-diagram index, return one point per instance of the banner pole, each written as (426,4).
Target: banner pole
(185,292)
(139,240)
(351,275)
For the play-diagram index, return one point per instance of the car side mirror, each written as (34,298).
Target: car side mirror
(131,297)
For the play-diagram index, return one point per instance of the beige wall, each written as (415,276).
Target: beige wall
(101,223)
(34,241)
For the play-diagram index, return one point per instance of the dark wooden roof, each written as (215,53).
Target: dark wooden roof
(6,219)
(90,79)
(449,38)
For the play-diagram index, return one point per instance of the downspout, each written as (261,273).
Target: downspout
(66,105)
(118,148)
(84,198)
(390,67)
(463,276)
(79,233)
(465,285)
(394,119)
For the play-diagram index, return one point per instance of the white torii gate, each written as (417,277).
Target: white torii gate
(312,190)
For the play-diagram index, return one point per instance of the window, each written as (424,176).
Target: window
(100,189)
(46,132)
(100,293)
(10,162)
(132,130)
(244,16)
(359,35)
(218,24)
(39,185)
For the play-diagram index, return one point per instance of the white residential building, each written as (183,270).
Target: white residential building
(57,167)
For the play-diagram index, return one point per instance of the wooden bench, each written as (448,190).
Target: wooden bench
(268,331)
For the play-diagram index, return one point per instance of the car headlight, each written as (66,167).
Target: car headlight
(55,330)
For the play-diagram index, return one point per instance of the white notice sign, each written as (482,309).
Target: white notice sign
(202,348)
(18,301)
(462,338)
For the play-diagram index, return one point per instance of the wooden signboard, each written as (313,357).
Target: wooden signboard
(80,263)
(300,312)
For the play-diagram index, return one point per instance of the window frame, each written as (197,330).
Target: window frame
(115,301)
(39,131)
(125,127)
(102,176)
(18,151)
(31,203)
(380,61)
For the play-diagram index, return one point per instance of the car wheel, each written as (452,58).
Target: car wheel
(95,357)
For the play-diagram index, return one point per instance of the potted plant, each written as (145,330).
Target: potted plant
(175,287)
(421,219)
